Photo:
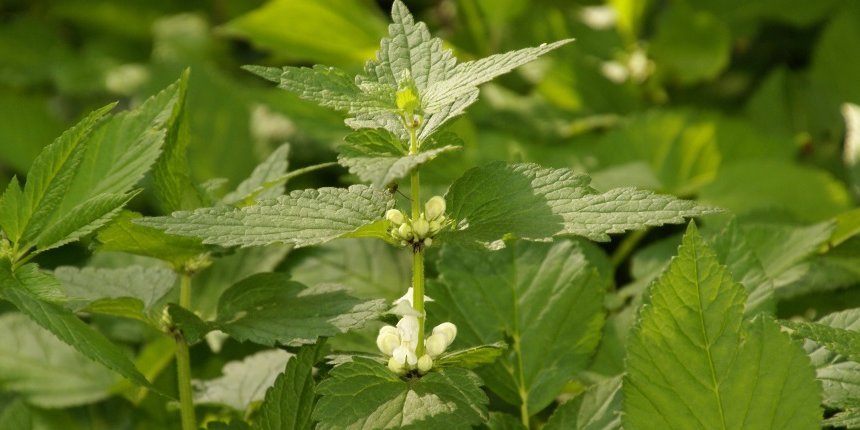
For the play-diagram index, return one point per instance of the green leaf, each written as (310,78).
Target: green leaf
(839,375)
(409,54)
(291,29)
(69,329)
(692,45)
(547,298)
(17,415)
(82,220)
(269,308)
(49,179)
(849,418)
(272,168)
(378,157)
(368,267)
(734,251)
(839,340)
(693,363)
(502,421)
(598,408)
(242,382)
(193,328)
(123,235)
(11,204)
(46,371)
(473,357)
(289,403)
(173,185)
(122,150)
(208,285)
(847,226)
(527,201)
(302,218)
(37,282)
(809,194)
(377,398)
(111,290)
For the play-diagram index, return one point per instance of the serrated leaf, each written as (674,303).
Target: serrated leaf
(733,250)
(123,235)
(473,357)
(208,285)
(270,309)
(531,202)
(82,220)
(841,341)
(270,169)
(17,415)
(693,363)
(97,289)
(171,178)
(242,382)
(598,408)
(377,398)
(39,283)
(409,52)
(46,371)
(11,204)
(547,298)
(370,268)
(378,157)
(50,178)
(839,376)
(302,218)
(503,421)
(849,418)
(289,403)
(123,149)
(68,328)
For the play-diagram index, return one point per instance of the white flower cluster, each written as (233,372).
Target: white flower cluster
(401,342)
(419,231)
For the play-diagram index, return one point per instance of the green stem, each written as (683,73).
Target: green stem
(418,254)
(627,246)
(183,361)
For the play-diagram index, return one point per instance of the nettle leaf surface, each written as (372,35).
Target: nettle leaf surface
(67,327)
(379,157)
(289,403)
(364,394)
(408,56)
(270,309)
(254,187)
(693,362)
(302,218)
(598,408)
(130,292)
(46,371)
(833,350)
(123,235)
(243,382)
(527,201)
(546,298)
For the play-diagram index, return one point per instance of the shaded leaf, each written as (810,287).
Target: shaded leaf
(242,382)
(445,399)
(598,408)
(289,403)
(270,309)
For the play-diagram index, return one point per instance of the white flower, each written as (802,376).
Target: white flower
(407,328)
(598,17)
(407,298)
(614,71)
(421,227)
(395,217)
(388,339)
(434,208)
(436,344)
(448,330)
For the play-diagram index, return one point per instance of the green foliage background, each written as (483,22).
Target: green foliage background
(730,102)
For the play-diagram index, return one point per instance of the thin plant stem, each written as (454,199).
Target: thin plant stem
(183,361)
(418,251)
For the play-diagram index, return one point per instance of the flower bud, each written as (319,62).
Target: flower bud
(386,342)
(434,208)
(448,330)
(388,329)
(425,363)
(405,231)
(421,227)
(436,344)
(428,242)
(395,217)
(435,226)
(407,100)
(396,366)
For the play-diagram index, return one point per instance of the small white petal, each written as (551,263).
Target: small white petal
(396,366)
(436,344)
(425,363)
(387,342)
(448,330)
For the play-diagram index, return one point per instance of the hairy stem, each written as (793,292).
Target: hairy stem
(183,361)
